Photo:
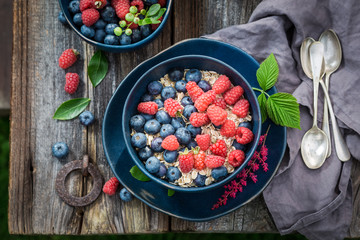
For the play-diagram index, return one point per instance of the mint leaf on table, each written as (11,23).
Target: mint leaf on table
(138,174)
(268,73)
(262,103)
(171,192)
(283,109)
(71,108)
(98,68)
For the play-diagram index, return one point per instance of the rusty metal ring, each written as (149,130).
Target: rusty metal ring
(73,200)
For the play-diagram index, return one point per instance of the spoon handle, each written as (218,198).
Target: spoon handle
(325,125)
(342,150)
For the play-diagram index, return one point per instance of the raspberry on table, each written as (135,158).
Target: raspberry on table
(138,3)
(203,141)
(148,107)
(72,82)
(228,129)
(98,4)
(170,143)
(121,7)
(194,90)
(219,148)
(244,135)
(111,186)
(186,161)
(217,115)
(221,84)
(199,119)
(212,161)
(173,107)
(68,58)
(220,102)
(236,158)
(85,4)
(90,16)
(199,159)
(205,100)
(232,95)
(241,108)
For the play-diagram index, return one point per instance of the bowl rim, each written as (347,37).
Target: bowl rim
(165,183)
(128,47)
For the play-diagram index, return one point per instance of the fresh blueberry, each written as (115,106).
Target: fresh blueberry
(108,14)
(239,146)
(147,116)
(60,150)
(168,92)
(100,24)
(138,140)
(152,164)
(176,74)
(166,130)
(156,145)
(145,153)
(159,102)
(125,195)
(180,86)
(62,19)
(246,124)
(152,126)
(219,173)
(77,19)
(87,31)
(86,118)
(111,40)
(188,110)
(183,135)
(99,35)
(193,75)
(74,7)
(109,28)
(137,122)
(186,101)
(125,39)
(145,30)
(170,156)
(200,180)
(173,174)
(147,98)
(163,117)
(204,85)
(192,144)
(154,88)
(193,130)
(162,171)
(178,123)
(150,2)
(135,36)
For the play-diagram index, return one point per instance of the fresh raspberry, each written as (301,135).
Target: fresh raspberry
(220,102)
(170,143)
(85,4)
(203,141)
(205,100)
(199,159)
(194,90)
(244,135)
(236,158)
(221,84)
(110,186)
(148,108)
(228,129)
(233,94)
(138,3)
(72,82)
(162,3)
(90,16)
(173,107)
(241,108)
(217,115)
(186,161)
(121,8)
(155,26)
(98,4)
(199,119)
(68,58)
(219,148)
(212,161)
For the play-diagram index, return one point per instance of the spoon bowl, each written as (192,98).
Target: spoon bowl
(304,56)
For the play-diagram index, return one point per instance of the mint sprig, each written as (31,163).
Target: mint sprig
(281,108)
(153,14)
(71,108)
(138,174)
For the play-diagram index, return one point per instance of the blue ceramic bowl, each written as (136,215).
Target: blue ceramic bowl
(115,48)
(187,62)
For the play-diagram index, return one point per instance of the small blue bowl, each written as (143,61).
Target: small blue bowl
(116,48)
(189,61)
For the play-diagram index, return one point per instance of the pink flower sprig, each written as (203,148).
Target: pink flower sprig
(237,185)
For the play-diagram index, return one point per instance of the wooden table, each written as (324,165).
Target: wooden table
(37,90)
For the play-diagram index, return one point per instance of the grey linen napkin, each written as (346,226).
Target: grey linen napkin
(316,203)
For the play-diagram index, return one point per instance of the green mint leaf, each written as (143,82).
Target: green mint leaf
(262,103)
(138,174)
(145,21)
(154,21)
(268,73)
(153,10)
(71,108)
(171,192)
(283,110)
(98,68)
(160,13)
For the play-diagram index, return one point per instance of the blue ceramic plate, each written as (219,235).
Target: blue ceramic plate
(185,205)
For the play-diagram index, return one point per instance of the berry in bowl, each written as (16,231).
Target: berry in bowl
(116,25)
(191,123)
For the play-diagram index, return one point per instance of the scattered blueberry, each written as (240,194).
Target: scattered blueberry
(62,19)
(152,126)
(180,86)
(162,171)
(125,39)
(200,180)
(154,88)
(100,24)
(166,130)
(156,145)
(86,118)
(192,144)
(170,156)
(177,123)
(163,117)
(74,7)
(168,92)
(87,31)
(125,195)
(138,140)
(109,28)
(186,101)
(60,150)
(204,85)
(176,74)
(152,164)
(108,14)
(183,135)
(145,30)
(173,174)
(159,102)
(99,35)
(147,98)
(188,110)
(147,116)
(77,19)
(145,153)
(137,122)
(135,36)
(246,124)
(111,40)
(219,173)
(193,130)
(193,75)
(239,146)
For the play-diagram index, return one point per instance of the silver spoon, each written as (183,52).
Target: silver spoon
(304,56)
(315,144)
(332,58)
